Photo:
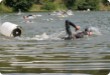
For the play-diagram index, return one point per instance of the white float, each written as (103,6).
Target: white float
(0,73)
(109,74)
(10,29)
(0,1)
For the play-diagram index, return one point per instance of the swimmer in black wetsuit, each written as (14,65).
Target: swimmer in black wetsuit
(77,35)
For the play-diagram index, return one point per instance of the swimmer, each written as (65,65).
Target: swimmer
(26,19)
(76,35)
(29,17)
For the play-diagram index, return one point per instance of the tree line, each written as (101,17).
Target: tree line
(49,5)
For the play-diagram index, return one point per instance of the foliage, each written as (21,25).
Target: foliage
(5,8)
(105,2)
(86,4)
(24,5)
(48,6)
(69,3)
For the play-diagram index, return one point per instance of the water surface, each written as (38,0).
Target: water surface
(36,54)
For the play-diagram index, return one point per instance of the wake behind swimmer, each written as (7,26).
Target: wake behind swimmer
(88,31)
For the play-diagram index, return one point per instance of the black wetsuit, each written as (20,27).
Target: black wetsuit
(68,31)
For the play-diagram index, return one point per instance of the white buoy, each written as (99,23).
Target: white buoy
(109,0)
(0,1)
(10,29)
(0,73)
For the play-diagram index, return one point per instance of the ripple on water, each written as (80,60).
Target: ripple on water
(61,57)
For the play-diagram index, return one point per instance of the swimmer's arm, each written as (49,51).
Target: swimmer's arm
(72,24)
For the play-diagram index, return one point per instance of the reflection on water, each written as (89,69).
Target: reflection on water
(30,56)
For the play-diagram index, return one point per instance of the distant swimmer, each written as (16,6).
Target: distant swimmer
(29,17)
(27,20)
(77,35)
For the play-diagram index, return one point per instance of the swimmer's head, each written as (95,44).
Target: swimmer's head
(24,17)
(88,31)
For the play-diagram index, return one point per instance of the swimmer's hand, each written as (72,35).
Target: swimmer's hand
(77,28)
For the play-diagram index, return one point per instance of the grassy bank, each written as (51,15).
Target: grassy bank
(4,8)
(104,8)
(36,8)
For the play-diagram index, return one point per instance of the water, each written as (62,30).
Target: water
(40,51)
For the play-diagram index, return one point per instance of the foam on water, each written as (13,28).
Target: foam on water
(44,36)
(95,30)
(56,36)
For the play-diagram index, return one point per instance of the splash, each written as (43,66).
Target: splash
(44,36)
(55,36)
(95,30)
(61,34)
